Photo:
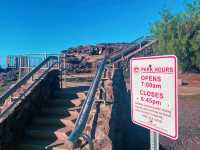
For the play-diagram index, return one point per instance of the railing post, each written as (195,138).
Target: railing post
(61,70)
(20,63)
(154,140)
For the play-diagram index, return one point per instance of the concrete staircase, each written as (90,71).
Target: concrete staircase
(52,126)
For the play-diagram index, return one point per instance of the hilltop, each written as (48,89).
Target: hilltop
(82,58)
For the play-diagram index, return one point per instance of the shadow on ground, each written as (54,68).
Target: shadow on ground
(76,89)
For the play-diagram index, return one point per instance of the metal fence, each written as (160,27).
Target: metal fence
(26,62)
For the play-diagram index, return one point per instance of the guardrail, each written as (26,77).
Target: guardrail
(51,61)
(83,116)
(133,50)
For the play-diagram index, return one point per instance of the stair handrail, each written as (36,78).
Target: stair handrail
(23,80)
(84,114)
(132,50)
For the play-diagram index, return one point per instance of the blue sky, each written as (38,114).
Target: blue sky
(30,26)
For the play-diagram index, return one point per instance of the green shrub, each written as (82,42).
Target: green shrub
(180,35)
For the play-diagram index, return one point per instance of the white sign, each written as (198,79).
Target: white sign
(154,94)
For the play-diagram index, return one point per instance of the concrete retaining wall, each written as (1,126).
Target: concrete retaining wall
(12,128)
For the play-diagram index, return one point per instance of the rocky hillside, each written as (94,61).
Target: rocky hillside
(83,58)
(100,48)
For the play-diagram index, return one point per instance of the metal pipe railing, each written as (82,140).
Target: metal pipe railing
(130,55)
(19,83)
(83,116)
(133,49)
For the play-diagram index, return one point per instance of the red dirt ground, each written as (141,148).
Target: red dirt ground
(189,116)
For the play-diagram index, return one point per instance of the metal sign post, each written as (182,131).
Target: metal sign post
(154,140)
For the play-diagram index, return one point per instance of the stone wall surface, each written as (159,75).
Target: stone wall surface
(123,133)
(12,128)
